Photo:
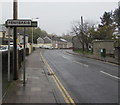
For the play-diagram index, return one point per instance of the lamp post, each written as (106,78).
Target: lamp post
(33,31)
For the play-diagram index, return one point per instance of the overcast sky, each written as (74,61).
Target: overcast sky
(57,17)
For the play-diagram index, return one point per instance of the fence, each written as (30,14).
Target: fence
(5,82)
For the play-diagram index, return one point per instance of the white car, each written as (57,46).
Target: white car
(3,48)
(47,47)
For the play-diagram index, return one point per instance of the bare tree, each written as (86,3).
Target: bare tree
(77,30)
(82,31)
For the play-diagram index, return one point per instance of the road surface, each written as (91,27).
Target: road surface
(87,80)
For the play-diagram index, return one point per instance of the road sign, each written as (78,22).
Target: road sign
(34,24)
(20,23)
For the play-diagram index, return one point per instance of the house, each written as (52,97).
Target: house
(69,45)
(76,43)
(60,43)
(40,42)
(4,35)
(103,44)
(47,40)
(54,42)
(2,31)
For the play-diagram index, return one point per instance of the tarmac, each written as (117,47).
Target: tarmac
(38,87)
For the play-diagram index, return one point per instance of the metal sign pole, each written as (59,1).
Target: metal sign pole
(15,52)
(24,72)
(8,53)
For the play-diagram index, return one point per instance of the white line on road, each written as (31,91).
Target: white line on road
(65,57)
(75,61)
(110,75)
(81,63)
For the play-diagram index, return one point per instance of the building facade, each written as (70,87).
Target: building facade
(55,42)
(103,44)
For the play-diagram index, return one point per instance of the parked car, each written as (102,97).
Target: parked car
(3,48)
(47,47)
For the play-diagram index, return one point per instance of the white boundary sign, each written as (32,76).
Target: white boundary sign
(18,23)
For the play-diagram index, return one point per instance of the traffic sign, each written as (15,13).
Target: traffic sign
(20,23)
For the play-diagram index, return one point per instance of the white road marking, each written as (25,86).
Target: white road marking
(110,75)
(81,63)
(65,57)
(75,61)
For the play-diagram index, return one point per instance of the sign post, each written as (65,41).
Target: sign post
(21,23)
(24,71)
(9,53)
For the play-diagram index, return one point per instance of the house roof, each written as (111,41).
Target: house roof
(46,37)
(39,38)
(63,40)
(2,28)
(55,38)
(59,39)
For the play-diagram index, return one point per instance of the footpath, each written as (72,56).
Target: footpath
(106,59)
(37,89)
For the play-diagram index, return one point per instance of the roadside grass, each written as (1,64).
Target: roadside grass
(84,52)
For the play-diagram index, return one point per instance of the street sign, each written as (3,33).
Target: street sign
(34,24)
(20,23)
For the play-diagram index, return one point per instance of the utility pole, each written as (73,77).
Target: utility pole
(82,23)
(118,19)
(33,33)
(15,15)
(82,33)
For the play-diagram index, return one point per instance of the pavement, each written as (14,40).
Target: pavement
(106,59)
(38,88)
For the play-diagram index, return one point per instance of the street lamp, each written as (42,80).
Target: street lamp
(33,31)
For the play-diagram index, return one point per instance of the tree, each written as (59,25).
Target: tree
(37,32)
(107,31)
(106,19)
(107,27)
(116,17)
(77,30)
(84,34)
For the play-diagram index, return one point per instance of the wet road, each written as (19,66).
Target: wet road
(86,80)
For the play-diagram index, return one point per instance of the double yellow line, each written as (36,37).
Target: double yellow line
(61,88)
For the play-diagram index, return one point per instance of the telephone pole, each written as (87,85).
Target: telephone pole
(15,15)
(118,19)
(82,32)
